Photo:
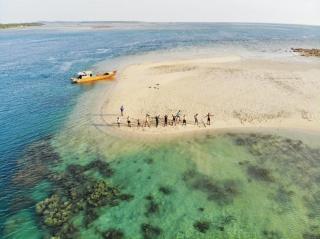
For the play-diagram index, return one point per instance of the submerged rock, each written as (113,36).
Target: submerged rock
(126,197)
(283,196)
(75,169)
(259,173)
(312,202)
(68,231)
(90,216)
(240,141)
(113,234)
(165,190)
(224,221)
(189,175)
(202,226)
(21,202)
(149,232)
(307,52)
(149,197)
(102,166)
(222,192)
(152,208)
(149,161)
(201,209)
(310,235)
(271,234)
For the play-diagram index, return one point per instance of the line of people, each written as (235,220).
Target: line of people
(175,119)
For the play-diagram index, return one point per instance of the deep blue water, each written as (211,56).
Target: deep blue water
(35,65)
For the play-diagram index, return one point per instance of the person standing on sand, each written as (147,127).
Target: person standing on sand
(157,120)
(184,121)
(118,121)
(121,110)
(146,122)
(208,118)
(178,116)
(129,121)
(165,120)
(173,120)
(138,123)
(196,122)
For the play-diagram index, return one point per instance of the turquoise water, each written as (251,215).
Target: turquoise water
(190,188)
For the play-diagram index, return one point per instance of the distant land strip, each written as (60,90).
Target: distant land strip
(19,25)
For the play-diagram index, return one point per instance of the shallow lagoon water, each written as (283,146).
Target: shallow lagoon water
(227,185)
(210,186)
(221,186)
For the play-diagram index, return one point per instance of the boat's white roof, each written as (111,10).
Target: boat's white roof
(84,73)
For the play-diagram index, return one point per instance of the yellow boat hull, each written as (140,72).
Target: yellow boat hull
(106,76)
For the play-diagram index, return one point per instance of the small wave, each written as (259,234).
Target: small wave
(103,50)
(66,66)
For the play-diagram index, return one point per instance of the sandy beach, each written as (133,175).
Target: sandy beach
(238,93)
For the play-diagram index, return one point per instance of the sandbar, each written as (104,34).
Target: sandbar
(238,92)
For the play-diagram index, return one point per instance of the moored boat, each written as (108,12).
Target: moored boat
(88,76)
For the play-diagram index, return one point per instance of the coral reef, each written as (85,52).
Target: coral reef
(54,211)
(99,194)
(278,156)
(33,166)
(292,157)
(21,202)
(75,192)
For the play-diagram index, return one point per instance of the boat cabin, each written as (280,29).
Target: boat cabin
(84,74)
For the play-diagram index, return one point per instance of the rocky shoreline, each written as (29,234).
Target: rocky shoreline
(307,52)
